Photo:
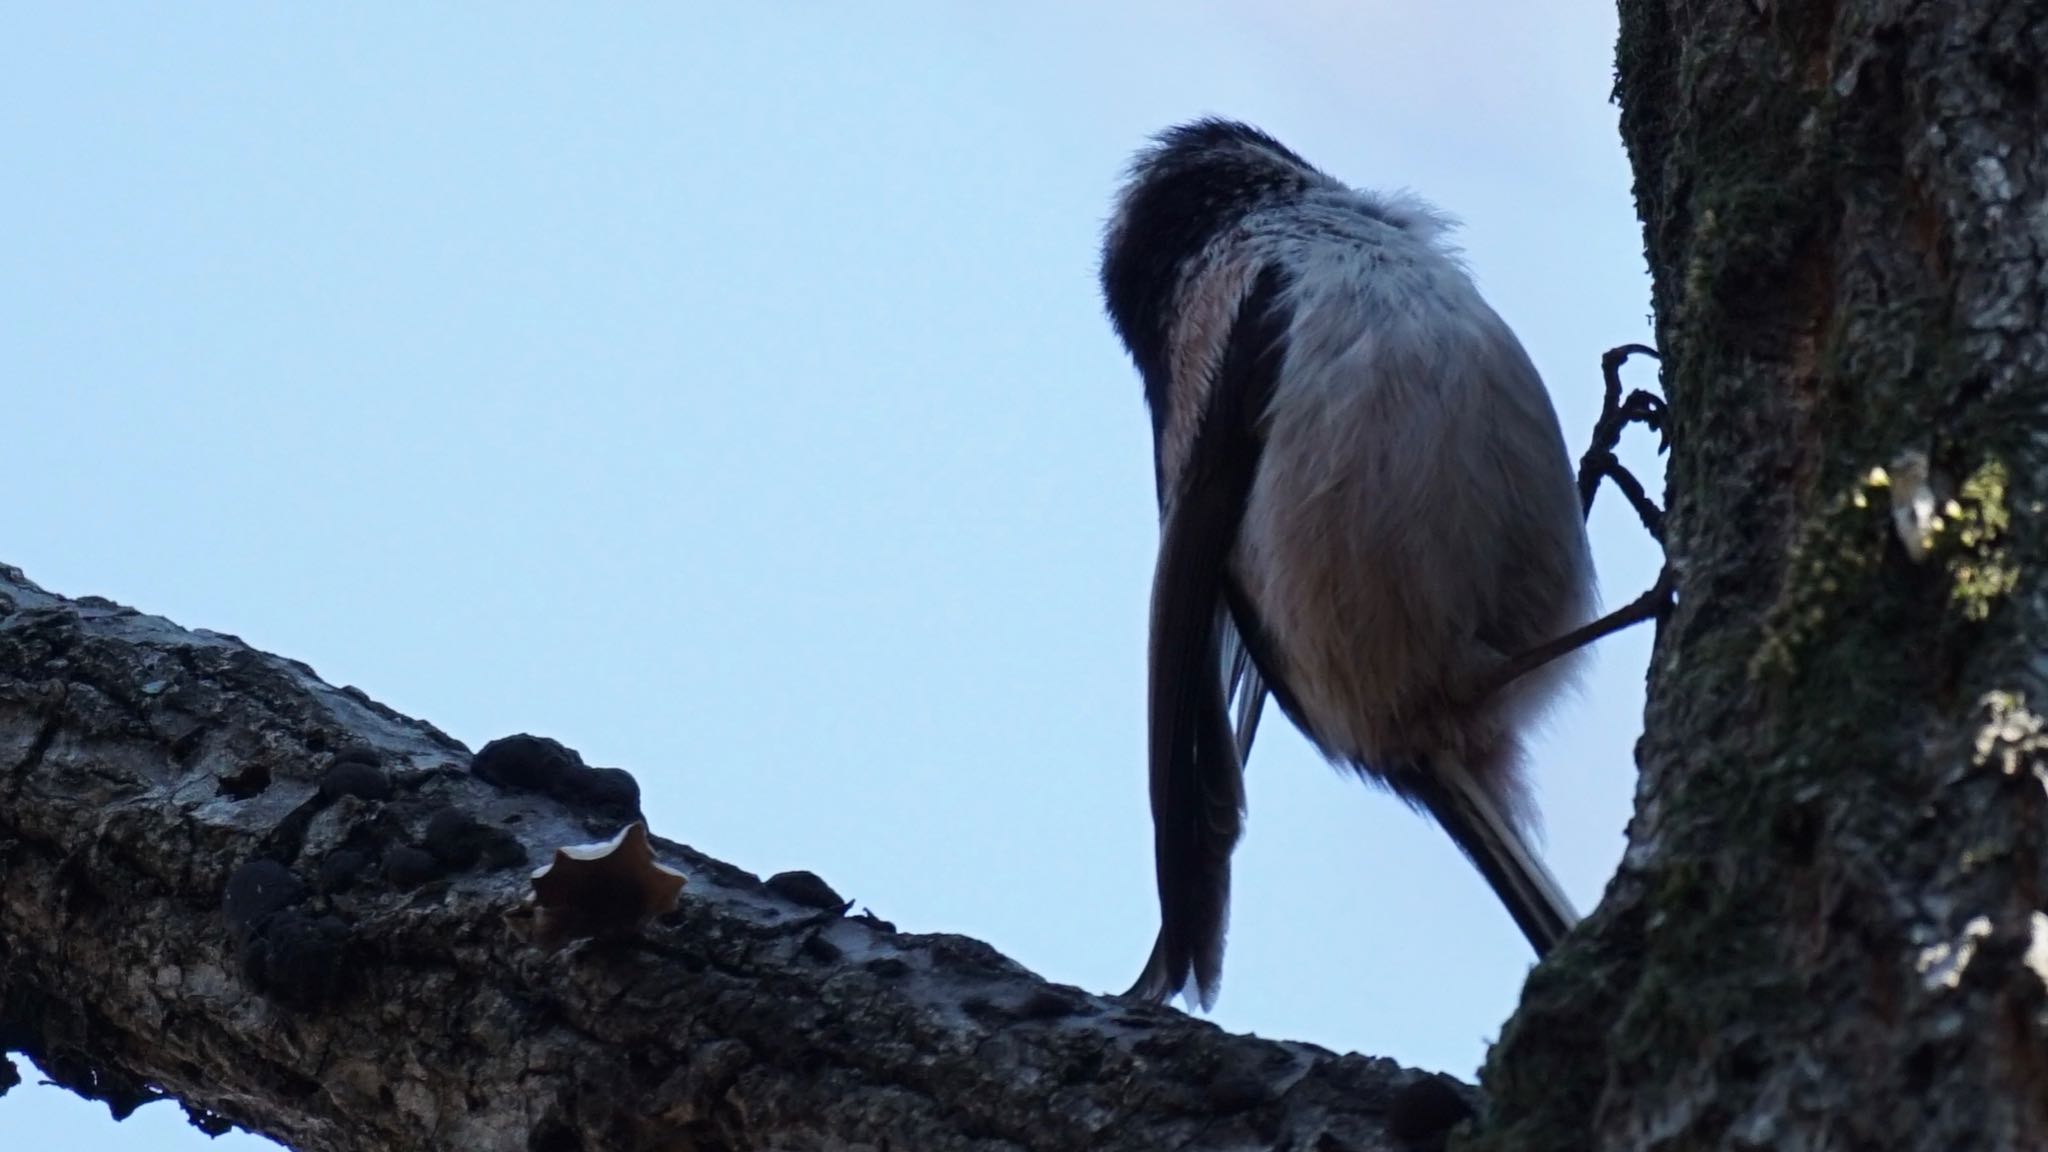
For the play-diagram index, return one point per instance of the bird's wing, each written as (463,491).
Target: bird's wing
(1197,780)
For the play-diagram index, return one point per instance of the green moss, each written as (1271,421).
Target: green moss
(1839,550)
(1826,573)
(1752,227)
(1567,1014)
(1981,568)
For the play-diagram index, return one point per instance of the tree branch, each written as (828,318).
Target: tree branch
(300,912)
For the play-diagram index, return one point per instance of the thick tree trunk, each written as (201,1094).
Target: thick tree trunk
(1828,929)
(293,909)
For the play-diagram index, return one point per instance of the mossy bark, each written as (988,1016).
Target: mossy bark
(1828,930)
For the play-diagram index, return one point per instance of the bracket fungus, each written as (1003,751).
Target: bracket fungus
(607,889)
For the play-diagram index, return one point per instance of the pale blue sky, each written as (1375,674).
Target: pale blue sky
(724,392)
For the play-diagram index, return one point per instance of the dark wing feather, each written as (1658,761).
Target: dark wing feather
(1197,781)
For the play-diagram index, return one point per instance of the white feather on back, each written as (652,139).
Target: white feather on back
(1414,518)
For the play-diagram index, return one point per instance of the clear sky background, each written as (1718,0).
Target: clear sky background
(723,391)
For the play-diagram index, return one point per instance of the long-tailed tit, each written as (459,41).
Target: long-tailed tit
(1366,509)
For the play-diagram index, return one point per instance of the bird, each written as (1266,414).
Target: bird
(1367,514)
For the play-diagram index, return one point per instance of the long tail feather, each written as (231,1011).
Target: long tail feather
(1497,846)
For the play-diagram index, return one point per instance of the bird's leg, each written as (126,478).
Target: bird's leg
(1599,463)
(1648,606)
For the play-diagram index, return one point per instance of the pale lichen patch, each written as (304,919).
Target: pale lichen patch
(2037,947)
(1914,502)
(1942,964)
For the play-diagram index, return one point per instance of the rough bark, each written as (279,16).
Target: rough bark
(1828,928)
(298,911)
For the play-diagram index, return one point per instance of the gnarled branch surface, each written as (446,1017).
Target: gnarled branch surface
(294,909)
